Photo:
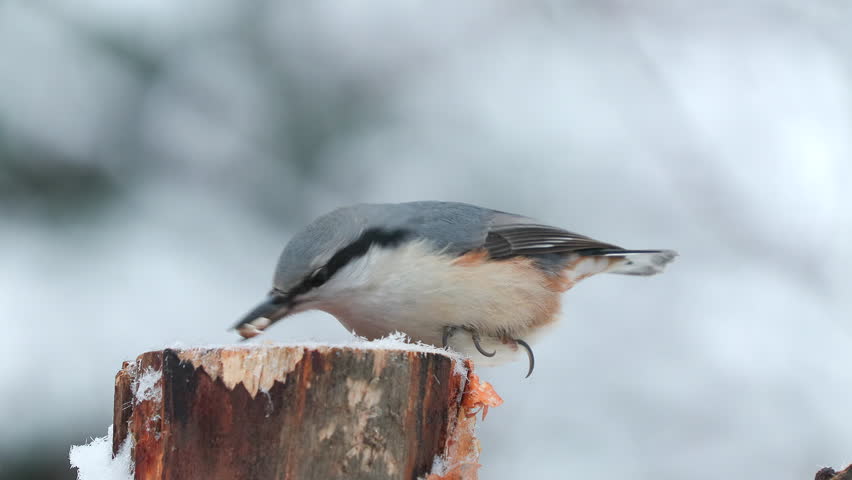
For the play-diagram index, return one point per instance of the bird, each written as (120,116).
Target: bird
(478,281)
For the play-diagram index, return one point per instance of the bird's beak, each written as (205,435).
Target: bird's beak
(274,308)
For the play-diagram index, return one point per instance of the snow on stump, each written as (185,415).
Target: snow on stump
(300,412)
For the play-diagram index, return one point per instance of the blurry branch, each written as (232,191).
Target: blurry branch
(127,51)
(36,181)
(46,184)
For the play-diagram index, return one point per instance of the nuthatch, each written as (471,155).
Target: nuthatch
(448,274)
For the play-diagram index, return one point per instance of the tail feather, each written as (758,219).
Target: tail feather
(635,262)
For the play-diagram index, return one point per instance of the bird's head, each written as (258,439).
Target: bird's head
(308,275)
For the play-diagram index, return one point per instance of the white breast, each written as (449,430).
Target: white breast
(417,291)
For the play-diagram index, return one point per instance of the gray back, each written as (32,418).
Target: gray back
(456,227)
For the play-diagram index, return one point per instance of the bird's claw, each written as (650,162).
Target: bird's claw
(448,330)
(529,354)
(476,344)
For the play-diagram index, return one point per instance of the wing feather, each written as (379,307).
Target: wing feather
(509,240)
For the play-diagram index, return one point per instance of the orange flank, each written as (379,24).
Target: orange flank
(472,258)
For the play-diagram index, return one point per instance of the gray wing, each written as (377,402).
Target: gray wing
(512,236)
(455,228)
(459,228)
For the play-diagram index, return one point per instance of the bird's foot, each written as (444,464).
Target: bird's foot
(445,338)
(475,335)
(448,330)
(514,342)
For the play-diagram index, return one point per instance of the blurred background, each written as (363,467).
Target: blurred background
(156,155)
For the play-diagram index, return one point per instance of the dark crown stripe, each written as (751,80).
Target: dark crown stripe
(357,249)
(360,247)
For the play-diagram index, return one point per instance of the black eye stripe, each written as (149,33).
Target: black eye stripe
(360,247)
(319,277)
(356,249)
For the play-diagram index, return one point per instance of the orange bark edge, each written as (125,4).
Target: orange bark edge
(461,456)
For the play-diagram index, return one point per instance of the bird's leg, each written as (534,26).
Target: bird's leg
(445,338)
(476,340)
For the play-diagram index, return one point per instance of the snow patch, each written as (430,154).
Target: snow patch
(147,386)
(94,460)
(440,466)
(394,341)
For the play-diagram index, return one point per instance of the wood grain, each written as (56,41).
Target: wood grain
(270,412)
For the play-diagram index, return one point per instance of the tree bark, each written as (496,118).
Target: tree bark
(828,473)
(269,412)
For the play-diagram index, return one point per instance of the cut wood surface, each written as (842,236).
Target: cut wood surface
(292,412)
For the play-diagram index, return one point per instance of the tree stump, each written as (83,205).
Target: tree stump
(828,473)
(274,412)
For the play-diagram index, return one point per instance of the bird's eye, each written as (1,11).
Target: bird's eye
(319,277)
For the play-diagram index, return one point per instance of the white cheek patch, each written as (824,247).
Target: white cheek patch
(358,273)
